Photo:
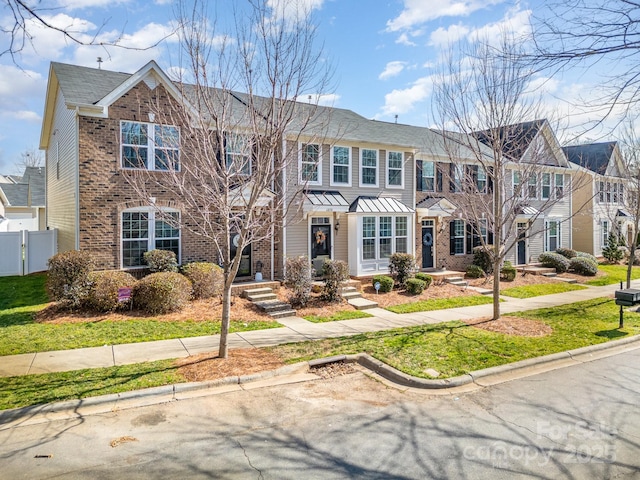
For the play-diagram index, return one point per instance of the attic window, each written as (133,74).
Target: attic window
(149,146)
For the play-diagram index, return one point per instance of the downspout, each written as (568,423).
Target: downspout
(77,179)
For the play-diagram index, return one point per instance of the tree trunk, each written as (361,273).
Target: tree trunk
(496,288)
(223,351)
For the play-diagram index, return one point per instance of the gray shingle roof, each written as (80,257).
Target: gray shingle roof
(32,184)
(85,85)
(593,156)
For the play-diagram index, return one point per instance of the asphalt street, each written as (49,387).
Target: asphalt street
(579,422)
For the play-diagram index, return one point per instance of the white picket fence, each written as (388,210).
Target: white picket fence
(26,251)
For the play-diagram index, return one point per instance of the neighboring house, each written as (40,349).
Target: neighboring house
(22,202)
(544,221)
(599,204)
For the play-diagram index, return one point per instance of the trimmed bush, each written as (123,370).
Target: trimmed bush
(415,286)
(299,278)
(103,294)
(425,277)
(474,271)
(68,277)
(386,283)
(335,273)
(554,260)
(401,266)
(482,258)
(162,292)
(508,272)
(566,252)
(161,261)
(206,278)
(586,255)
(584,266)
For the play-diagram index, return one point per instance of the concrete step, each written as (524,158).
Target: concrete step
(348,289)
(261,297)
(257,291)
(454,279)
(362,303)
(458,283)
(283,314)
(549,274)
(566,280)
(350,295)
(271,306)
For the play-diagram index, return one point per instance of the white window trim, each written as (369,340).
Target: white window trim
(151,235)
(362,167)
(548,185)
(464,237)
(401,170)
(604,233)
(332,181)
(434,177)
(235,154)
(378,237)
(151,157)
(547,235)
(301,181)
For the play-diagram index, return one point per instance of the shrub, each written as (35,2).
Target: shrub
(206,279)
(335,273)
(161,261)
(474,271)
(68,277)
(415,286)
(103,294)
(584,266)
(482,258)
(586,255)
(162,292)
(507,272)
(386,283)
(428,279)
(401,266)
(554,260)
(610,251)
(566,252)
(299,278)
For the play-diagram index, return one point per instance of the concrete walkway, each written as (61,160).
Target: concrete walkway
(294,329)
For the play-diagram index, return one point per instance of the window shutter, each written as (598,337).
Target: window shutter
(452,186)
(559,231)
(469,231)
(490,237)
(452,232)
(489,179)
(439,168)
(419,179)
(546,236)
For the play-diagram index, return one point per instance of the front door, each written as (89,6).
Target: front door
(244,270)
(320,244)
(522,243)
(427,243)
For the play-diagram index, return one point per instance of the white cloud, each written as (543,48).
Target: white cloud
(417,12)
(515,23)
(77,4)
(23,115)
(403,39)
(293,10)
(18,86)
(323,99)
(403,101)
(392,69)
(445,36)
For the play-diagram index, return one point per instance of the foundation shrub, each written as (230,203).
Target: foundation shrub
(103,293)
(68,277)
(206,279)
(162,292)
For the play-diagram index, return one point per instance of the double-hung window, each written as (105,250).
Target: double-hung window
(401,235)
(546,186)
(395,169)
(369,238)
(552,236)
(341,166)
(532,186)
(457,237)
(517,180)
(310,166)
(144,230)
(604,240)
(368,167)
(615,193)
(386,234)
(481,180)
(238,150)
(149,146)
(428,178)
(383,236)
(559,185)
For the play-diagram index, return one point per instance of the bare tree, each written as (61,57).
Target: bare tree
(31,157)
(489,119)
(239,124)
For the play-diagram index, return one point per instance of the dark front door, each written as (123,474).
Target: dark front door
(522,243)
(320,246)
(244,270)
(427,247)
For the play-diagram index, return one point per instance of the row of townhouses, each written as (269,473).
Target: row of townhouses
(370,190)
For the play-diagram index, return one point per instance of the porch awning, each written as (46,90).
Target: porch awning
(526,211)
(623,213)
(378,205)
(435,207)
(240,196)
(325,201)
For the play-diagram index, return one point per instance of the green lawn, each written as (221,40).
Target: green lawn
(528,291)
(614,274)
(26,295)
(344,315)
(454,348)
(440,304)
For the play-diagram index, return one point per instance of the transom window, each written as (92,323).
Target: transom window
(238,150)
(394,169)
(144,230)
(383,236)
(368,167)
(310,167)
(341,166)
(149,146)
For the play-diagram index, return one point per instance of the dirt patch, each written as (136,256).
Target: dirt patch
(529,279)
(336,369)
(522,327)
(397,297)
(242,361)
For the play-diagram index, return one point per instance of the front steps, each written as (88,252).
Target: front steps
(457,281)
(268,302)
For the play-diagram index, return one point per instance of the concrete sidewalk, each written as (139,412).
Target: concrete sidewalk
(294,329)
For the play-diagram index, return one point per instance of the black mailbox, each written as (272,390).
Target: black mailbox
(628,297)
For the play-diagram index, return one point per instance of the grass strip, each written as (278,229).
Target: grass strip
(613,274)
(440,304)
(343,315)
(529,291)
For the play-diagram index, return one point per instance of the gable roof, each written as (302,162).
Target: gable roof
(593,156)
(30,192)
(515,139)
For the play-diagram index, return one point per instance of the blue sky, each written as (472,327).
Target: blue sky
(384,53)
